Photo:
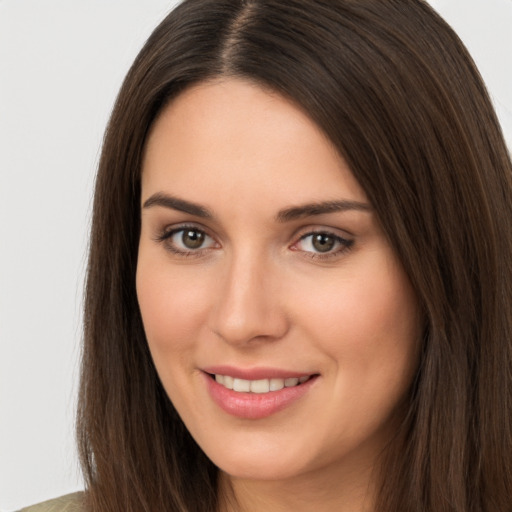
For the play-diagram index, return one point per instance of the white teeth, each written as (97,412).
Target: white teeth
(276,384)
(242,385)
(258,386)
(228,382)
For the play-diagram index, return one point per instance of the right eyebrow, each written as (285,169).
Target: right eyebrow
(174,203)
(312,209)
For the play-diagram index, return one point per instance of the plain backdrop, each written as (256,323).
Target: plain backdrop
(61,65)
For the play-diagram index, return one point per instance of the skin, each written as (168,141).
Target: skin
(258,292)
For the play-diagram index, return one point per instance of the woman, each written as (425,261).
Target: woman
(299,280)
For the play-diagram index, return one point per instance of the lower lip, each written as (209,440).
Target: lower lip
(255,406)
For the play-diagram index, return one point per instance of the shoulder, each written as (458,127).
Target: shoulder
(68,503)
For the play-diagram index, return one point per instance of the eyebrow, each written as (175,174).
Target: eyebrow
(312,209)
(175,203)
(286,215)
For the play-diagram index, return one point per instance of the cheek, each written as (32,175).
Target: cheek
(371,307)
(368,323)
(170,305)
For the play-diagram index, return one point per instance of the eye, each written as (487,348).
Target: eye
(322,244)
(187,240)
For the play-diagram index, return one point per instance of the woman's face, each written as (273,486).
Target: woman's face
(262,265)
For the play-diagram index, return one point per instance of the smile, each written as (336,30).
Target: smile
(259,386)
(257,393)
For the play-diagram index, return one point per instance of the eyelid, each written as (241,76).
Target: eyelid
(166,234)
(345,243)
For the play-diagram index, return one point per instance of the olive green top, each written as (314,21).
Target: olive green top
(68,503)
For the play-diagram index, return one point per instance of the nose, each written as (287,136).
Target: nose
(249,304)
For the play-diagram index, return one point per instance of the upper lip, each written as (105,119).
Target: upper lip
(256,373)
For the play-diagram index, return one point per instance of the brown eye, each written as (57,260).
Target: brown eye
(323,242)
(192,238)
(187,241)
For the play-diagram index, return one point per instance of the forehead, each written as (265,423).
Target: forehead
(233,139)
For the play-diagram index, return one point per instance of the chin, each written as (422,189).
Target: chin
(255,459)
(257,470)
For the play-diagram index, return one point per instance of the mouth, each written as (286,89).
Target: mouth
(258,386)
(257,392)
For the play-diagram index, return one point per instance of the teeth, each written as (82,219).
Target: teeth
(276,384)
(258,386)
(242,385)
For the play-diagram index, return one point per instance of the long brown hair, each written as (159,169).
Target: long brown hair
(395,90)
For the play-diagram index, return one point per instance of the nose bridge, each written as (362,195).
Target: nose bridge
(248,305)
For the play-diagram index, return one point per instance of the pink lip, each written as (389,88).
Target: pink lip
(254,405)
(253,373)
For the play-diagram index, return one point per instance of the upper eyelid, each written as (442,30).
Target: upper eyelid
(341,239)
(297,235)
(345,245)
(324,231)
(171,229)
(165,238)
(313,229)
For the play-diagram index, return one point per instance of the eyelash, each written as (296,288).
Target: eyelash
(344,243)
(166,236)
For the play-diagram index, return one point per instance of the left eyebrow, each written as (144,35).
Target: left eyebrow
(175,203)
(311,209)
